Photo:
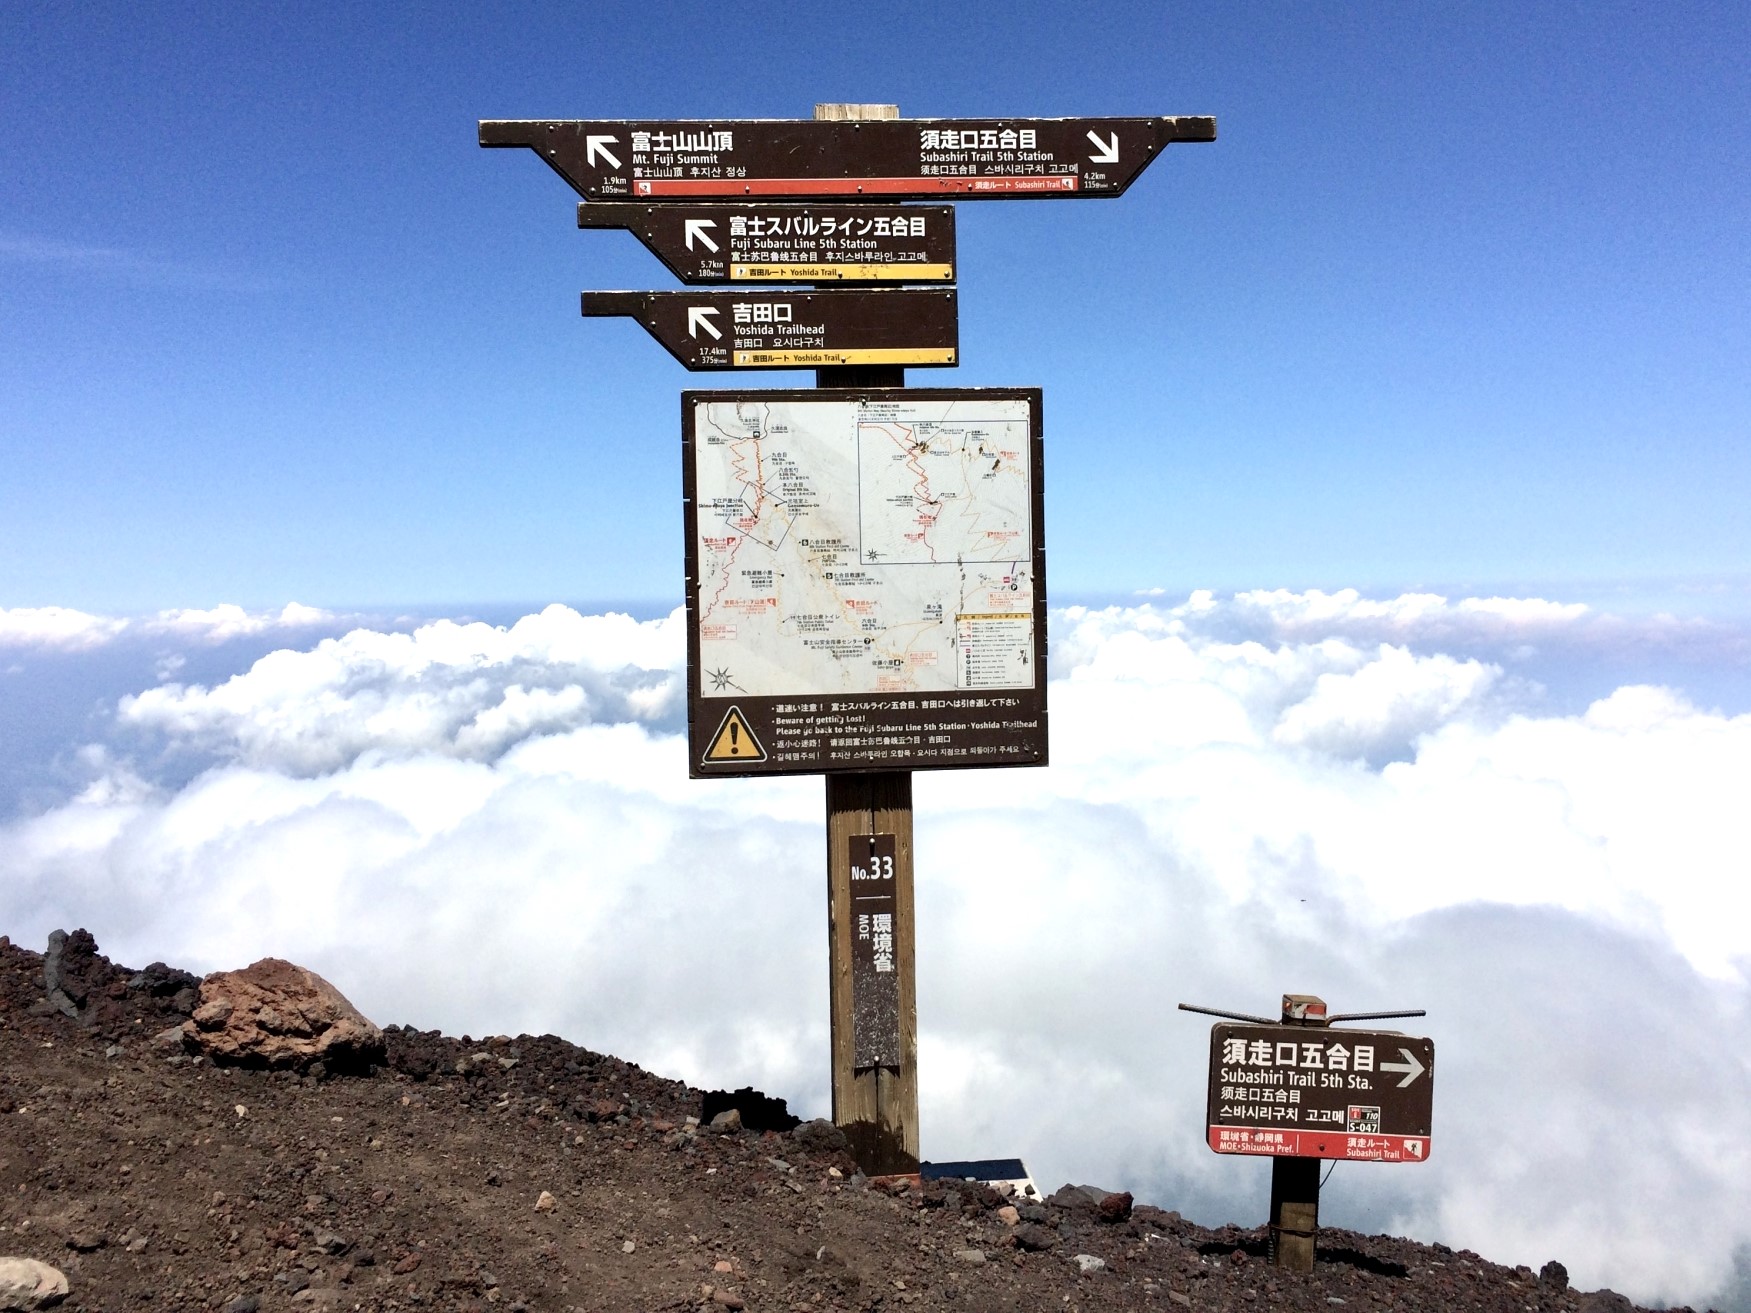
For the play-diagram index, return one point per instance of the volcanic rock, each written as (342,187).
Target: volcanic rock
(27,1284)
(821,1136)
(759,1112)
(278,1015)
(1115,1207)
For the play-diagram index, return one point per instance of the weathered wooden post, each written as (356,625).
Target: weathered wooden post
(1294,1226)
(1278,1090)
(873,995)
(861,637)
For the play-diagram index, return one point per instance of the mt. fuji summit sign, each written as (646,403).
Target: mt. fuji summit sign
(876,159)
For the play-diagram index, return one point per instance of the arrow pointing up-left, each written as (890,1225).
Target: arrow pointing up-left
(594,146)
(696,228)
(700,316)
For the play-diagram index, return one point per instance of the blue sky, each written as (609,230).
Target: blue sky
(1395,482)
(1456,301)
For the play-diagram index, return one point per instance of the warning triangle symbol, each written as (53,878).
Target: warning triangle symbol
(734,741)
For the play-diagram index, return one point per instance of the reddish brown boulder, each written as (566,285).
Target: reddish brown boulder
(276,1014)
(1115,1207)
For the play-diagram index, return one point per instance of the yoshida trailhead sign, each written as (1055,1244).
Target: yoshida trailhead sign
(762,329)
(876,159)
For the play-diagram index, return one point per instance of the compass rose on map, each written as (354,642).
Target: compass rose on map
(721,679)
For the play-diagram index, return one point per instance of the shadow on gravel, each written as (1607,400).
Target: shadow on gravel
(1260,1248)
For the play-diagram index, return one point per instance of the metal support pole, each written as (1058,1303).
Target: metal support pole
(876,1105)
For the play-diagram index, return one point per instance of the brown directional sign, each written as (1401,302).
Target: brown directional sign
(1318,1092)
(808,159)
(865,579)
(790,243)
(793,330)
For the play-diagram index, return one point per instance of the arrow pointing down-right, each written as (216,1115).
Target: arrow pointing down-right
(1105,152)
(1410,1067)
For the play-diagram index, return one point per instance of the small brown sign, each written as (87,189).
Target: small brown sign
(790,243)
(875,980)
(793,330)
(1318,1092)
(879,159)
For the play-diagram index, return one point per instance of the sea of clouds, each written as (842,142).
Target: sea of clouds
(1392,803)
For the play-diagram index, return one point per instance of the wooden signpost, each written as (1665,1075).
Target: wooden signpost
(1299,1092)
(865,562)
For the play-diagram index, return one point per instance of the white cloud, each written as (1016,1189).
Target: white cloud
(1518,626)
(470,690)
(492,829)
(226,622)
(70,630)
(1427,615)
(55,627)
(1384,704)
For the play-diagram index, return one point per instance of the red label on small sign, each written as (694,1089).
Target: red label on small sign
(1320,1144)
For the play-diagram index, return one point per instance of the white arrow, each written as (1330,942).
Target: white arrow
(700,316)
(1410,1067)
(1105,152)
(594,146)
(696,228)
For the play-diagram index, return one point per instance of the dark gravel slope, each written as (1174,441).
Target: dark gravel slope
(528,1173)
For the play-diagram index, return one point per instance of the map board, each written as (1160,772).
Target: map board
(1320,1092)
(865,579)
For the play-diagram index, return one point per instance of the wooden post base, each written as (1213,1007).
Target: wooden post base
(1294,1212)
(876,1106)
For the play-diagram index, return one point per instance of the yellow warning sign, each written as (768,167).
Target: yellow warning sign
(734,741)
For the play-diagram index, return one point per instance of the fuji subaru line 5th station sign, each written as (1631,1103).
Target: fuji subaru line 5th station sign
(858,243)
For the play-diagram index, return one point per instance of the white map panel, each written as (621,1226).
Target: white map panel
(868,546)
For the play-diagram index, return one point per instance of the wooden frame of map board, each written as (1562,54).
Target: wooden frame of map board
(865,579)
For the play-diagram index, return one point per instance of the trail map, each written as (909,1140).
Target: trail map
(867,546)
